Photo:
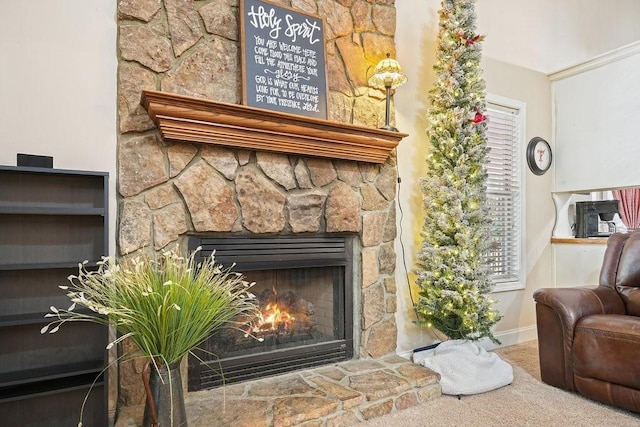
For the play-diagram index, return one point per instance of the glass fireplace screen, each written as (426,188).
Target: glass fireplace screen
(303,286)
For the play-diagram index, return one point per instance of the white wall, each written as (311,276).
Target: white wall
(58,85)
(577,265)
(549,35)
(416,53)
(597,129)
(415,46)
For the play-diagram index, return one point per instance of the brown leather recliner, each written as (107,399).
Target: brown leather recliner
(589,339)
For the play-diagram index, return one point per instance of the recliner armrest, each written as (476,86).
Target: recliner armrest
(571,304)
(557,312)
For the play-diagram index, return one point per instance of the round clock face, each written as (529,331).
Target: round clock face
(539,155)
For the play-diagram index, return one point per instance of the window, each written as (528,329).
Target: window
(505,130)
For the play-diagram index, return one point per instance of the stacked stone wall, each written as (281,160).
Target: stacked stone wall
(167,190)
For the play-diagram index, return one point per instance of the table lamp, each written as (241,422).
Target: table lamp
(388,75)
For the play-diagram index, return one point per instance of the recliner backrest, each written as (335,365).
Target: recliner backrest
(621,269)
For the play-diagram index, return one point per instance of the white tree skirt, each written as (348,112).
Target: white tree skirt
(465,367)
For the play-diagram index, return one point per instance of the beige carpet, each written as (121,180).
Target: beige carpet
(526,402)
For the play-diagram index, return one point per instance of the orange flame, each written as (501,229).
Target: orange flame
(273,319)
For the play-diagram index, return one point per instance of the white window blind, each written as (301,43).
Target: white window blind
(504,194)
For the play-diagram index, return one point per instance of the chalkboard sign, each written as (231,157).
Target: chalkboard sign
(283,59)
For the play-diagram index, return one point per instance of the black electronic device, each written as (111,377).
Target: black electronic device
(595,218)
(34,161)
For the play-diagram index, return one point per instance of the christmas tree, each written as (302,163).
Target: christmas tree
(452,272)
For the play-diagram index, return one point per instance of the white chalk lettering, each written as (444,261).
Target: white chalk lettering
(263,19)
(286,47)
(304,30)
(289,103)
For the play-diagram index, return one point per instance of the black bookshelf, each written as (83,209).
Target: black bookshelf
(50,221)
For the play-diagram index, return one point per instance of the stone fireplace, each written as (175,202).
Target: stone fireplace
(216,189)
(203,180)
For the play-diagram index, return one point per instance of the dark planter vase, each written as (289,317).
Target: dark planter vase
(165,399)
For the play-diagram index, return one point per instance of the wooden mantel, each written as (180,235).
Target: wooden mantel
(189,119)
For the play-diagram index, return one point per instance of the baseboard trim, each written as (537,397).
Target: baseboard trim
(506,338)
(511,337)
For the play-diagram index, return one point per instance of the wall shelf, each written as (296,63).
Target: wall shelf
(58,385)
(189,119)
(48,210)
(579,241)
(45,266)
(32,318)
(28,376)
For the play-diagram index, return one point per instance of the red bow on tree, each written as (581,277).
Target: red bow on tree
(477,38)
(479,117)
(468,42)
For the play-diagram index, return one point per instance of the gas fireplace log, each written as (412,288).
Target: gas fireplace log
(283,318)
(290,306)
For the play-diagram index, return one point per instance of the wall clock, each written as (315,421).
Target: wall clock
(538,155)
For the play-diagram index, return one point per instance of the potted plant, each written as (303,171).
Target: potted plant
(166,304)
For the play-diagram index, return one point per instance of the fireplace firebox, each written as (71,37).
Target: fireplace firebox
(303,284)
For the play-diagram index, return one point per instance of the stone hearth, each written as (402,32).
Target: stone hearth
(343,394)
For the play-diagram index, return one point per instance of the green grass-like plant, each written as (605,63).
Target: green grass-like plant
(166,304)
